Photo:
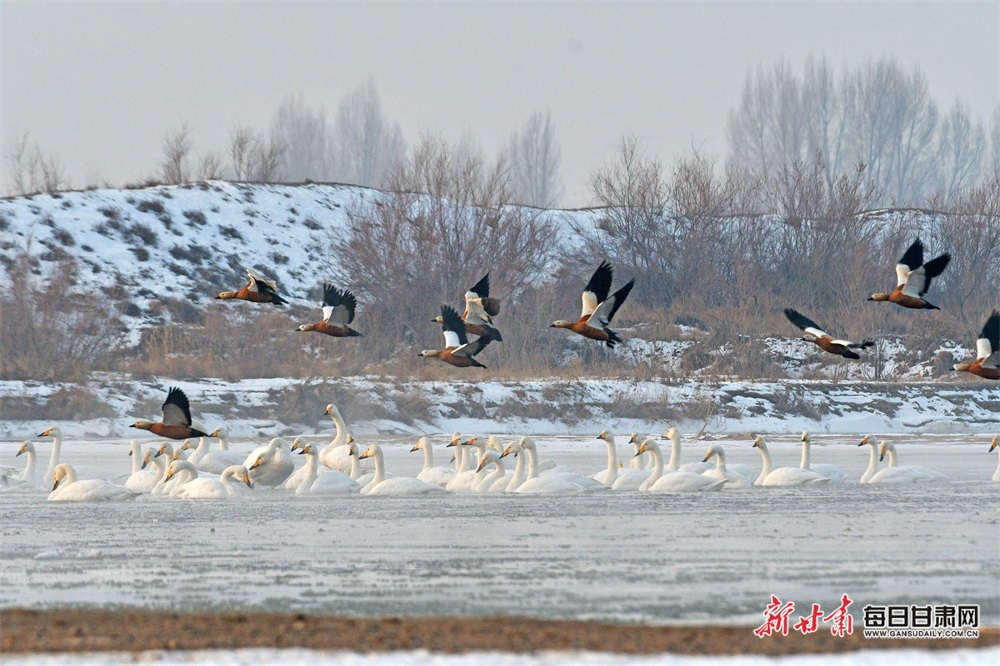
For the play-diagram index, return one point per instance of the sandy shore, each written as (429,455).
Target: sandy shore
(26,631)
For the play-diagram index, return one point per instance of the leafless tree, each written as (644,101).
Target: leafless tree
(176,145)
(31,171)
(211,166)
(365,145)
(534,158)
(303,133)
(961,149)
(255,158)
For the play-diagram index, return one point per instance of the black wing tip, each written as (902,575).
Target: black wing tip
(482,288)
(914,255)
(991,330)
(613,339)
(451,320)
(936,266)
(800,319)
(331,295)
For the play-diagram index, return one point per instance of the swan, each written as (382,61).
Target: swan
(399,485)
(519,469)
(616,477)
(437,475)
(296,478)
(270,465)
(81,471)
(140,480)
(466,479)
(337,454)
(674,436)
(210,461)
(330,482)
(674,481)
(27,476)
(734,481)
(783,476)
(193,486)
(995,445)
(495,482)
(154,477)
(888,448)
(223,434)
(888,474)
(832,472)
(551,483)
(66,488)
(162,458)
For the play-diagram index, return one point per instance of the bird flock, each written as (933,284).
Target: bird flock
(479,465)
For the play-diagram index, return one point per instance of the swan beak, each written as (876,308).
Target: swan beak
(256,464)
(415,448)
(450,444)
(130,453)
(861,443)
(705,459)
(301,451)
(246,480)
(55,485)
(881,457)
(170,474)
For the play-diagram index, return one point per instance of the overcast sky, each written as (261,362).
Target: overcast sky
(99,84)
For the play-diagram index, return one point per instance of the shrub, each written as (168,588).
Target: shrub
(64,237)
(150,206)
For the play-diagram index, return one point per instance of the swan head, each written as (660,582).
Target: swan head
(258,462)
(303,450)
(177,465)
(673,435)
(993,443)
(759,442)
(472,441)
(648,444)
(606,436)
(220,432)
(867,439)
(61,472)
(510,449)
(297,445)
(455,436)
(634,438)
(420,445)
(148,457)
(331,410)
(884,448)
(805,437)
(493,442)
(52,431)
(528,444)
(713,450)
(370,452)
(491,456)
(244,474)
(28,447)
(177,455)
(185,445)
(166,449)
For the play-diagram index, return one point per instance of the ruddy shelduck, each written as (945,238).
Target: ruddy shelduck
(914,278)
(822,339)
(480,308)
(257,290)
(987,363)
(177,423)
(338,311)
(458,351)
(598,308)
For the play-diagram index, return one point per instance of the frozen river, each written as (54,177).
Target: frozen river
(711,557)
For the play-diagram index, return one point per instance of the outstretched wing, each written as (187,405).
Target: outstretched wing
(596,291)
(338,306)
(480,308)
(988,344)
(470,349)
(261,285)
(176,410)
(605,312)
(918,282)
(481,289)
(805,323)
(453,328)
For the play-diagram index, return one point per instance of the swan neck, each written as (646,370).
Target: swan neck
(612,461)
(136,457)
(892,456)
(720,463)
(312,464)
(872,464)
(428,457)
(338,422)
(54,458)
(675,454)
(532,463)
(766,458)
(223,442)
(379,467)
(805,454)
(658,462)
(518,477)
(355,466)
(29,465)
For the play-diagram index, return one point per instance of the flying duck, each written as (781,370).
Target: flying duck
(598,308)
(914,278)
(458,351)
(987,363)
(823,340)
(177,423)
(480,309)
(257,290)
(338,312)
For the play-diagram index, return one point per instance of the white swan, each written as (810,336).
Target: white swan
(214,462)
(330,482)
(270,465)
(674,481)
(223,434)
(889,449)
(995,445)
(400,485)
(783,476)
(551,482)
(832,472)
(154,477)
(495,482)
(675,445)
(734,481)
(617,477)
(520,469)
(141,480)
(198,487)
(163,457)
(296,478)
(337,454)
(27,477)
(467,477)
(67,488)
(888,474)
(81,471)
(440,476)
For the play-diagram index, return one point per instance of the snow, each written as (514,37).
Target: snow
(964,657)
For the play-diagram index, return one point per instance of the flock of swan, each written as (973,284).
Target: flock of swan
(480,465)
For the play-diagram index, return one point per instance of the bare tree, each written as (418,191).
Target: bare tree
(255,158)
(303,133)
(961,148)
(176,145)
(366,146)
(211,166)
(534,157)
(31,171)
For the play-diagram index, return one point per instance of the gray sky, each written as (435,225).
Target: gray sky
(99,84)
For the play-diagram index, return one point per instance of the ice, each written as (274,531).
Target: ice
(714,557)
(965,657)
